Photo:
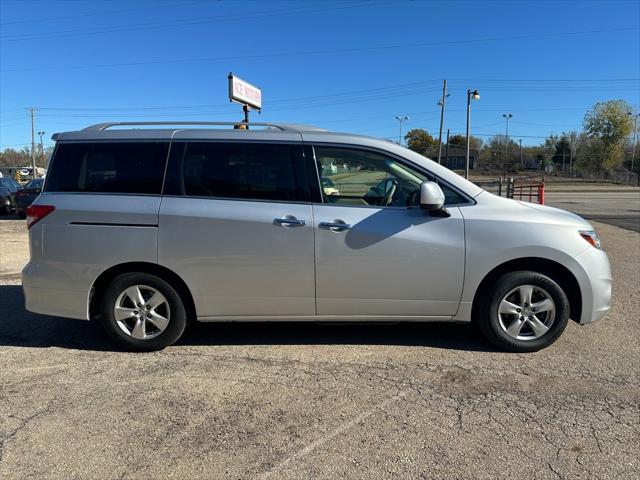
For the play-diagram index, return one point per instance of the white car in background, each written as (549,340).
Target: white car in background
(329,187)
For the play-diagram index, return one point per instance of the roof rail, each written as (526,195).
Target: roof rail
(282,127)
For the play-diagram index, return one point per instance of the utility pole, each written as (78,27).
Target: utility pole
(33,140)
(441,103)
(506,144)
(573,139)
(565,139)
(521,156)
(476,96)
(447,151)
(41,148)
(401,119)
(635,139)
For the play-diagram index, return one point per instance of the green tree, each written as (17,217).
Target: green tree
(420,141)
(461,141)
(609,124)
(22,158)
(547,151)
(494,153)
(14,158)
(562,147)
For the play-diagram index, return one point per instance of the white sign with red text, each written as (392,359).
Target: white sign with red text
(245,93)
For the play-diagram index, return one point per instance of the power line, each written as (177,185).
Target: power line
(362,93)
(307,101)
(560,89)
(285,106)
(82,113)
(546,124)
(322,52)
(543,79)
(513,135)
(5,145)
(277,102)
(297,107)
(111,12)
(187,21)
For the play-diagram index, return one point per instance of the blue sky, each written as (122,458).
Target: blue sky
(346,65)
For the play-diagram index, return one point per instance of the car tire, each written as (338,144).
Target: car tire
(7,208)
(522,311)
(142,312)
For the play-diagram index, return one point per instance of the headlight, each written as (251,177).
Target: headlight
(592,237)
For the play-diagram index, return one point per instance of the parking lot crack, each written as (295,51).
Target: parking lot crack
(23,423)
(308,449)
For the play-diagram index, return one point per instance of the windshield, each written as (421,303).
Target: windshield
(34,184)
(8,182)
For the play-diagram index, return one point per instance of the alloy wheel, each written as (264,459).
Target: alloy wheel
(526,312)
(142,312)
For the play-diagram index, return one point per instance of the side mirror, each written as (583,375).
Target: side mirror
(431,196)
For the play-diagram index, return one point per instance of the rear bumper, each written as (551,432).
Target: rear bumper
(43,298)
(596,285)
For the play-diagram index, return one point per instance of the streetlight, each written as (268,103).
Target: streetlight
(506,145)
(476,96)
(41,149)
(401,119)
(441,104)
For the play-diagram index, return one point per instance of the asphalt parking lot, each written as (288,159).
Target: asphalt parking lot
(313,401)
(618,205)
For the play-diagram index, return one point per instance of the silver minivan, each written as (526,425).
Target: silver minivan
(146,229)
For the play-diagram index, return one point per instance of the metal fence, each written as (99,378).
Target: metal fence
(530,189)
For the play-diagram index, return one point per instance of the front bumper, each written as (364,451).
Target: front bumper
(596,284)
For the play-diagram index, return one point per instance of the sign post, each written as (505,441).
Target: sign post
(249,96)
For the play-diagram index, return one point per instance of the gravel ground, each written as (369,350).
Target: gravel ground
(311,401)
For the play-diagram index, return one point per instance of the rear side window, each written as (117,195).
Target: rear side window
(118,167)
(246,171)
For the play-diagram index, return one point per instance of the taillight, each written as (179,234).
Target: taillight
(35,213)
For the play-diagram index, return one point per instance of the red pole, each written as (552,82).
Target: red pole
(521,188)
(541,193)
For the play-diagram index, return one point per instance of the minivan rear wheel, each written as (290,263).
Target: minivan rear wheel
(524,311)
(142,312)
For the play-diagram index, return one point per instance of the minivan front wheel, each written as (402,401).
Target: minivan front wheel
(524,312)
(142,312)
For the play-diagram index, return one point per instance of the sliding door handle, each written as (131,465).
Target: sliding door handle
(289,221)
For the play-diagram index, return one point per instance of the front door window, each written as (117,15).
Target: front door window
(360,177)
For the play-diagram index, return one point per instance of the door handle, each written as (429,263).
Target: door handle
(289,221)
(337,226)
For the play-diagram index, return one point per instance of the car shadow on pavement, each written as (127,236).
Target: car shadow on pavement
(20,328)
